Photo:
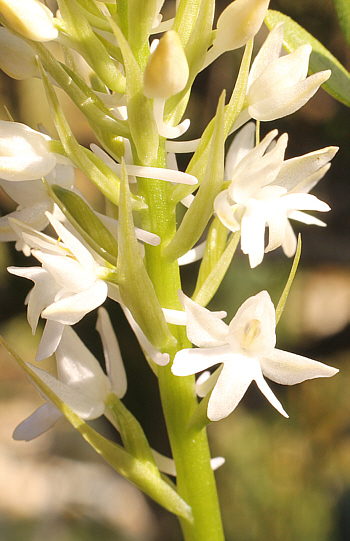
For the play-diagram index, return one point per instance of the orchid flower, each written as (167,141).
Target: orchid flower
(81,382)
(33,201)
(279,86)
(246,350)
(266,190)
(67,286)
(25,153)
(30,18)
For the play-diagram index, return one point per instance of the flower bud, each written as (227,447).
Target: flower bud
(239,22)
(24,153)
(167,70)
(17,58)
(30,18)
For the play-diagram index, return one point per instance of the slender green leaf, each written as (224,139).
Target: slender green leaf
(342,8)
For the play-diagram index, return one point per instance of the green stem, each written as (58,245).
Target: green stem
(195,478)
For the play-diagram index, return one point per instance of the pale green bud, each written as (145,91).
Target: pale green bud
(167,70)
(30,18)
(17,58)
(239,22)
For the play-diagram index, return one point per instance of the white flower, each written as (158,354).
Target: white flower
(237,24)
(266,190)
(17,58)
(33,201)
(81,382)
(25,153)
(279,86)
(67,286)
(30,18)
(246,349)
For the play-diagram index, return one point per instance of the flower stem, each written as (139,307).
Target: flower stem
(195,478)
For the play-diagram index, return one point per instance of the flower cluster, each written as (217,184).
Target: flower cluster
(133,89)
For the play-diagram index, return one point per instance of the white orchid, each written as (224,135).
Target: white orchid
(33,201)
(279,86)
(25,153)
(81,382)
(246,350)
(67,286)
(30,18)
(265,191)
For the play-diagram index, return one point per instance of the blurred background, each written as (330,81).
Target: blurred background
(283,480)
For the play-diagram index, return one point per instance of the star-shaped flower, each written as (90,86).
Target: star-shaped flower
(266,190)
(81,382)
(67,286)
(246,350)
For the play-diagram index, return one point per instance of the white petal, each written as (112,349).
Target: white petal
(289,243)
(290,100)
(66,272)
(50,339)
(84,406)
(37,423)
(266,391)
(234,380)
(305,218)
(225,211)
(289,368)
(73,308)
(81,253)
(253,233)
(191,361)
(33,216)
(242,143)
(204,329)
(296,170)
(79,369)
(268,53)
(114,362)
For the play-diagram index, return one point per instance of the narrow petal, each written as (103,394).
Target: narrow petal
(191,361)
(79,369)
(204,329)
(305,218)
(240,146)
(73,308)
(37,423)
(268,53)
(114,362)
(206,381)
(266,391)
(289,244)
(84,406)
(50,339)
(234,380)
(253,234)
(289,368)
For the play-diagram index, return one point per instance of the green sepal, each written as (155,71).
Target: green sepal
(199,161)
(83,218)
(134,439)
(199,419)
(338,85)
(216,261)
(88,44)
(342,8)
(142,124)
(140,18)
(94,168)
(123,462)
(136,288)
(201,209)
(285,292)
(185,18)
(195,50)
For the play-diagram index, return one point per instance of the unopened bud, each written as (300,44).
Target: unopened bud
(239,22)
(167,70)
(24,153)
(17,58)
(30,18)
